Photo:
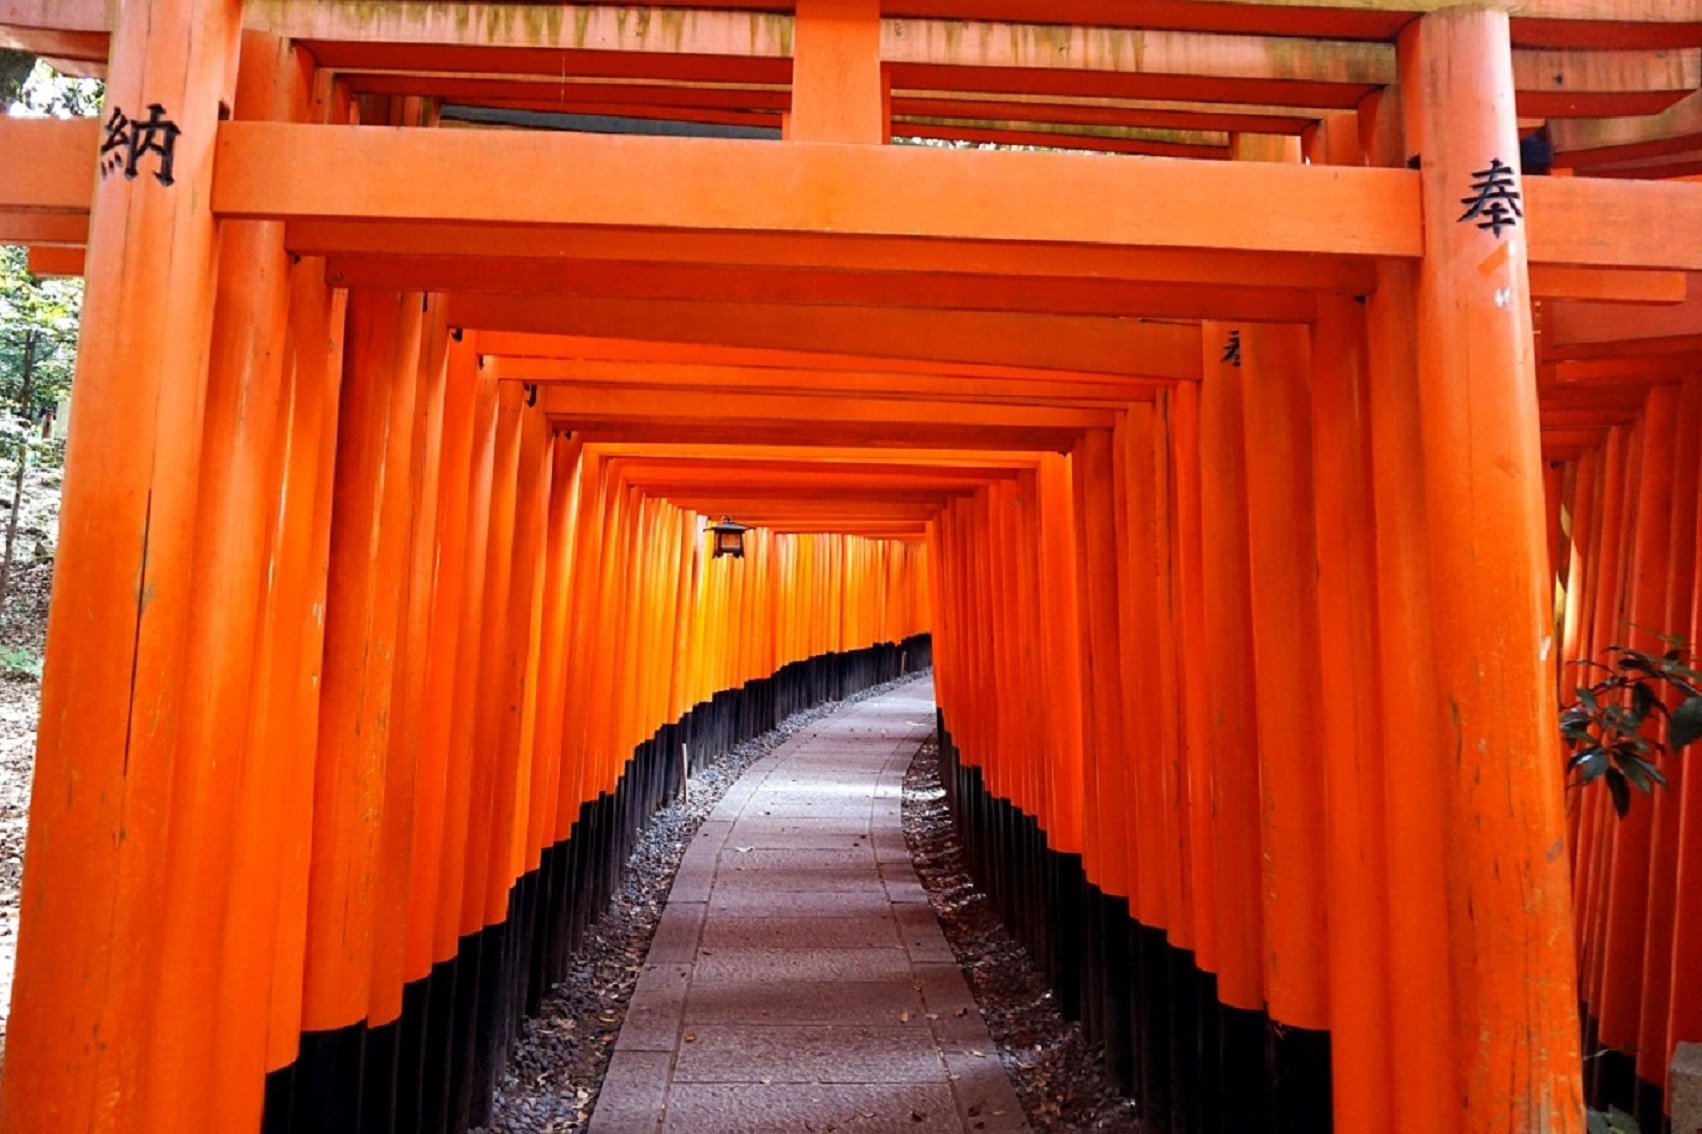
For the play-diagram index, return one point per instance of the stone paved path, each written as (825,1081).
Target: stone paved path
(798,981)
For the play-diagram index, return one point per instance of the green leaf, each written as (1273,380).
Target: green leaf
(1643,701)
(1575,732)
(1684,726)
(1620,790)
(1635,770)
(1589,763)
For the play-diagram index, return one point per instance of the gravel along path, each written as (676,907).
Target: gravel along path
(1058,1075)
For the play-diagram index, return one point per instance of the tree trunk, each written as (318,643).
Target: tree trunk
(23,463)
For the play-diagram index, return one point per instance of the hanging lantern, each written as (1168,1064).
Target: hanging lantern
(729,538)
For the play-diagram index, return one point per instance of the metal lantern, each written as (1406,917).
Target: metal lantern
(729,538)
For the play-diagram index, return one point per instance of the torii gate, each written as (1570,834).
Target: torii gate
(1217,475)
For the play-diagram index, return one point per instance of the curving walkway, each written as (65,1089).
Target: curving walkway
(798,980)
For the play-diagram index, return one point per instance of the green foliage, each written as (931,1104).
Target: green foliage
(38,354)
(15,68)
(31,88)
(15,662)
(1612,1121)
(1609,731)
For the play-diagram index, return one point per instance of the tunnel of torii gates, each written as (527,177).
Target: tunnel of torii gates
(1248,449)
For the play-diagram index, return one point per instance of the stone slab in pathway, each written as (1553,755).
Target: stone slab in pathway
(798,980)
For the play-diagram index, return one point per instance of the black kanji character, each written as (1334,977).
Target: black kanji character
(1232,349)
(128,141)
(1495,198)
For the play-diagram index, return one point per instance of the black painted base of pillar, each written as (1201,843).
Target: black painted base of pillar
(1611,1080)
(433,1069)
(1192,1064)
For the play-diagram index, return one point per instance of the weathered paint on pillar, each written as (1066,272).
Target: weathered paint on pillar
(1419,987)
(1228,621)
(89,935)
(370,538)
(242,454)
(1357,847)
(838,93)
(1509,913)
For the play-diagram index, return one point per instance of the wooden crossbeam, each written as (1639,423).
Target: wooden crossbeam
(1577,23)
(1054,389)
(671,477)
(504,348)
(921,290)
(895,212)
(71,34)
(901,437)
(909,486)
(1196,144)
(1586,221)
(980,459)
(1240,52)
(1063,342)
(1089,110)
(1587,142)
(1636,370)
(19,227)
(49,165)
(603,404)
(762,507)
(1554,281)
(1578,329)
(847,253)
(704,183)
(1550,81)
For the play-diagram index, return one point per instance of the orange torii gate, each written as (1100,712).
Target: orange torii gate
(1231,478)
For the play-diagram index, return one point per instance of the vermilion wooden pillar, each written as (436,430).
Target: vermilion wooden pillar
(1193,677)
(1283,571)
(430,949)
(1228,623)
(1509,917)
(1656,1034)
(1061,630)
(88,948)
(285,718)
(370,539)
(1107,859)
(209,890)
(1629,882)
(458,922)
(392,1059)
(837,89)
(1356,839)
(1686,1006)
(1420,992)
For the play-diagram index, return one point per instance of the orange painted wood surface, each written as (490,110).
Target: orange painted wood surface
(1178,460)
(1509,946)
